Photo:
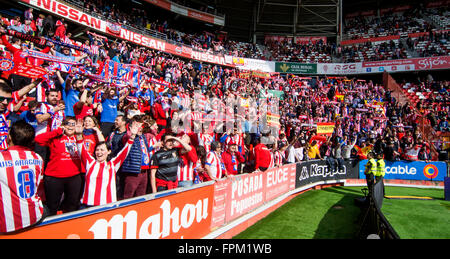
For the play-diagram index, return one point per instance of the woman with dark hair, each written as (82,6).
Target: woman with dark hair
(100,187)
(91,133)
(62,174)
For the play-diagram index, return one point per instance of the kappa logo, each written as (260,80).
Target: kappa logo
(319,170)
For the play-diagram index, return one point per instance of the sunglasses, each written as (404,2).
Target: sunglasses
(2,99)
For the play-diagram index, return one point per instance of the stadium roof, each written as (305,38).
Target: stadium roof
(280,17)
(291,17)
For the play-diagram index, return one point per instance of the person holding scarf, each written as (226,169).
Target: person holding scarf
(134,168)
(232,158)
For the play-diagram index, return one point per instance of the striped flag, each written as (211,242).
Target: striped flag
(4,128)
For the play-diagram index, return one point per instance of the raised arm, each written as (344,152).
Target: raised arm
(122,155)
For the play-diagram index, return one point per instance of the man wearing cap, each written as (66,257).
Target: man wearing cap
(66,53)
(381,170)
(370,171)
(231,158)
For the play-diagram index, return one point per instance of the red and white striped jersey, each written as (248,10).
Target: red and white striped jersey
(100,186)
(21,172)
(272,161)
(185,100)
(278,158)
(196,116)
(186,167)
(95,49)
(5,123)
(205,140)
(216,164)
(45,126)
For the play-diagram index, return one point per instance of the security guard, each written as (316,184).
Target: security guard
(370,171)
(381,170)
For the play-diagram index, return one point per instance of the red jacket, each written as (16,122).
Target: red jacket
(160,115)
(230,165)
(64,158)
(262,156)
(60,32)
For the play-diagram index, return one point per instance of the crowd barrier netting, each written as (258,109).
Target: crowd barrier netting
(191,213)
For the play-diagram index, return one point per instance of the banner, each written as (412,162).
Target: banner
(181,215)
(310,39)
(417,170)
(273,120)
(29,71)
(318,170)
(339,68)
(69,13)
(237,195)
(245,193)
(279,180)
(325,128)
(51,58)
(259,74)
(220,203)
(295,68)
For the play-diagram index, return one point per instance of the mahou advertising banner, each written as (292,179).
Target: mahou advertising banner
(182,215)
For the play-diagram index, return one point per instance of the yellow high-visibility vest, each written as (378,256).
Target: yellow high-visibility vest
(373,168)
(381,168)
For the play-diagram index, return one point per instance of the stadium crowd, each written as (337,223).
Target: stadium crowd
(102,141)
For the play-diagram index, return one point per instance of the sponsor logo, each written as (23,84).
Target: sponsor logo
(429,63)
(401,170)
(430,171)
(160,225)
(345,67)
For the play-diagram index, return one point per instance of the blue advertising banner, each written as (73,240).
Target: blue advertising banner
(417,170)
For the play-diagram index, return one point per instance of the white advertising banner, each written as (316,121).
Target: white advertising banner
(339,68)
(69,13)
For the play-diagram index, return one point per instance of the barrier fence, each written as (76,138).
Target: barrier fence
(193,213)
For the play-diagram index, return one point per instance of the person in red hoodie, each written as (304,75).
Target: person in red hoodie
(262,155)
(232,158)
(62,175)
